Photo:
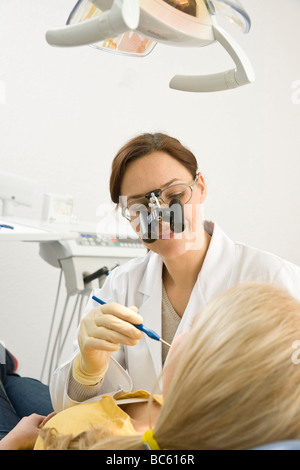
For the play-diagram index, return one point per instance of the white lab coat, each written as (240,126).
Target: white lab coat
(139,283)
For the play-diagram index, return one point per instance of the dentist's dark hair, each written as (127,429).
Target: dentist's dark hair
(143,145)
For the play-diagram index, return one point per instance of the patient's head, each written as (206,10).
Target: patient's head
(232,382)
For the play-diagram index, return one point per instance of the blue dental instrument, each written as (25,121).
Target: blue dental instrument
(6,226)
(152,334)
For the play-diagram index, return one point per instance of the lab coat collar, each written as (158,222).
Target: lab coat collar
(214,277)
(151,288)
(150,282)
(216,273)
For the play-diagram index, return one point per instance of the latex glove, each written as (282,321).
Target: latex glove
(101,333)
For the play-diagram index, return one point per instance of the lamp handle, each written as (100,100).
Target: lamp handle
(241,75)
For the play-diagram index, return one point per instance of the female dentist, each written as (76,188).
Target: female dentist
(167,288)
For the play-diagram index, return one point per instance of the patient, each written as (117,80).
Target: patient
(19,396)
(230,383)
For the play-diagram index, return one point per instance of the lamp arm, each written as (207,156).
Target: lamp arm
(241,75)
(123,16)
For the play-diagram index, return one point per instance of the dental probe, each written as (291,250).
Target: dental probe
(152,334)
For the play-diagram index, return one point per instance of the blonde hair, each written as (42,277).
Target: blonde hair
(235,385)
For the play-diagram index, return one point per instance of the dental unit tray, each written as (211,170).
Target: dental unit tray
(79,249)
(133,27)
(82,256)
(91,244)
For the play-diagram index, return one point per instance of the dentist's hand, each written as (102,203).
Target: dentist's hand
(101,333)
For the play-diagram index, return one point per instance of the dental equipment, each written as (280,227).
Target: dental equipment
(96,275)
(133,27)
(78,249)
(15,190)
(82,256)
(149,222)
(79,259)
(57,208)
(152,334)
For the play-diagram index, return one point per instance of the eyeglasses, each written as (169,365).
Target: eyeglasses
(181,191)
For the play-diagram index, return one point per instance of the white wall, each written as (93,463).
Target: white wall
(66,113)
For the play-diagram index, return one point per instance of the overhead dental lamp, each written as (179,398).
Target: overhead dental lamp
(134,26)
